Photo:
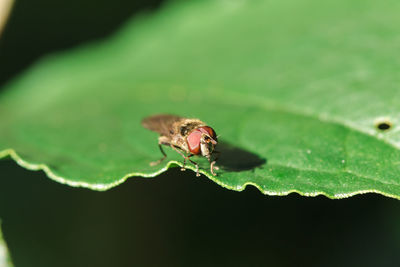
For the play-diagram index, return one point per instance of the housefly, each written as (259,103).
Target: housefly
(186,136)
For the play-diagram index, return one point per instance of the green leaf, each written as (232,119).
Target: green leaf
(295,89)
(5,260)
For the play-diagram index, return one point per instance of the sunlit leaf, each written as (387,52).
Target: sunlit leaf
(300,93)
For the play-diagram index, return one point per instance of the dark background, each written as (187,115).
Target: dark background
(175,219)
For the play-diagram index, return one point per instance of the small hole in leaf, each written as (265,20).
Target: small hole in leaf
(384,125)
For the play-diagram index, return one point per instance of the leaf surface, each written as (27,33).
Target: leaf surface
(295,90)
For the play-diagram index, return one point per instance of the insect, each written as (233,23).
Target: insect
(186,136)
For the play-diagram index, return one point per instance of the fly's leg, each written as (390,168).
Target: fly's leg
(212,163)
(186,158)
(161,141)
(212,168)
(154,163)
(195,164)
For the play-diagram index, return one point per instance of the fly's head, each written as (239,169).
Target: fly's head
(202,141)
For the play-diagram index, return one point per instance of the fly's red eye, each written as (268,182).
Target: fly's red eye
(210,131)
(193,141)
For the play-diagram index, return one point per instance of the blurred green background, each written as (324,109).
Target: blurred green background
(175,219)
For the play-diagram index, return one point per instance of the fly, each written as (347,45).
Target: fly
(186,136)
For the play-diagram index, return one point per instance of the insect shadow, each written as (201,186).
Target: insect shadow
(236,159)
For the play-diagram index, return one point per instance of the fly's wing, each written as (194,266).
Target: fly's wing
(161,123)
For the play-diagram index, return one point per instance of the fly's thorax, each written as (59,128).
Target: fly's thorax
(180,130)
(185,126)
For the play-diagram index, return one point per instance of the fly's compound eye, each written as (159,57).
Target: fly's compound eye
(193,141)
(210,132)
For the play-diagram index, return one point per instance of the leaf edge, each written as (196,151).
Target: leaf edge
(104,187)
